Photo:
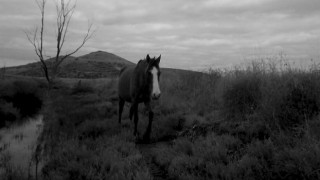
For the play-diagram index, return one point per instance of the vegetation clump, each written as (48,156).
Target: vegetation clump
(19,99)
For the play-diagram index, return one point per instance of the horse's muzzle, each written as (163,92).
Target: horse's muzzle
(155,96)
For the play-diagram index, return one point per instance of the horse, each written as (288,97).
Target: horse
(140,84)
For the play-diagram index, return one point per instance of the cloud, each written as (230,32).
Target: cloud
(187,33)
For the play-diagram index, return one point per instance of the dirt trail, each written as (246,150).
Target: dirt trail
(147,151)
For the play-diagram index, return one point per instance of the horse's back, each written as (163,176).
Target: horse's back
(124,83)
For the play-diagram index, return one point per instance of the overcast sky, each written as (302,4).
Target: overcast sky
(190,34)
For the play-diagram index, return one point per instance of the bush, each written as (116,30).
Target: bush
(166,127)
(300,104)
(28,103)
(8,113)
(19,99)
(290,99)
(82,87)
(284,99)
(242,95)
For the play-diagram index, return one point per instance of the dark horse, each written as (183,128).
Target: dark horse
(140,84)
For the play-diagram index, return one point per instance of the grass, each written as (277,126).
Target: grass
(82,138)
(258,121)
(260,125)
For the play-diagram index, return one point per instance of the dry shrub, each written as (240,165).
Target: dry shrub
(82,87)
(242,94)
(290,99)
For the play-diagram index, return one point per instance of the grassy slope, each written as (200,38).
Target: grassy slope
(251,123)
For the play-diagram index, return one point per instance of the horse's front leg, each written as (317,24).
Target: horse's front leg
(134,112)
(146,135)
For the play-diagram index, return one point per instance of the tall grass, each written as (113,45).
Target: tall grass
(264,127)
(257,121)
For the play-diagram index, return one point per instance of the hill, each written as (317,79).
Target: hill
(97,64)
(93,65)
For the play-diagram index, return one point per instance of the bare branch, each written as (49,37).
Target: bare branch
(33,42)
(64,12)
(66,28)
(87,36)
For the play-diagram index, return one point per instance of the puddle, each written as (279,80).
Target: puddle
(19,142)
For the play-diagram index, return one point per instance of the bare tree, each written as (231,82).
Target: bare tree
(64,11)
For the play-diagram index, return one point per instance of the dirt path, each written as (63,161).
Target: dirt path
(147,151)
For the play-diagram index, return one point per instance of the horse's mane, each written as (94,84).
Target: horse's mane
(140,61)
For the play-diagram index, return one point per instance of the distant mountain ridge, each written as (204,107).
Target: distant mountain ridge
(93,65)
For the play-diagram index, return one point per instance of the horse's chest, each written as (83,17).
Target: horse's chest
(143,97)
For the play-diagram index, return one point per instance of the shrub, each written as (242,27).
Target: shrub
(163,156)
(290,99)
(82,87)
(242,95)
(300,104)
(166,127)
(8,113)
(28,104)
(19,99)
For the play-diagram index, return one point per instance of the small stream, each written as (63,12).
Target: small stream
(18,143)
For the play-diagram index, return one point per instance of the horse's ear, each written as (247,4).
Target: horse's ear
(158,59)
(148,58)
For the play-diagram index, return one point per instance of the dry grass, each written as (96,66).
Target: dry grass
(258,121)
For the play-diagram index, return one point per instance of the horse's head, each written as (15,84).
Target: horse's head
(153,76)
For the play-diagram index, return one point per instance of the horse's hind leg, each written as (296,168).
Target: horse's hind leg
(121,104)
(136,118)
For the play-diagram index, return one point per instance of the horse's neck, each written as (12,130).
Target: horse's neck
(139,79)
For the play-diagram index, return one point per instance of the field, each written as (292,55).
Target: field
(259,121)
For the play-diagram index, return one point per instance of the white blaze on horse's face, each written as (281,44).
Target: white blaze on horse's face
(155,94)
